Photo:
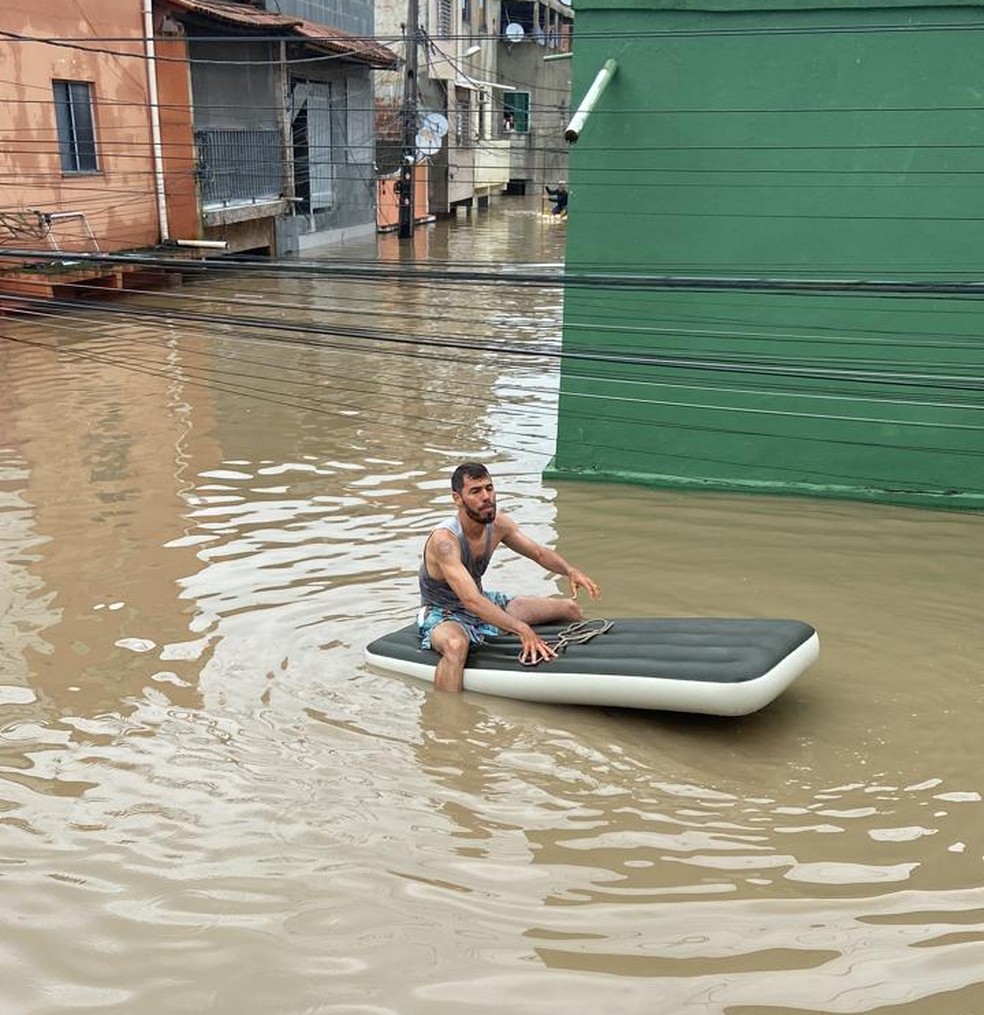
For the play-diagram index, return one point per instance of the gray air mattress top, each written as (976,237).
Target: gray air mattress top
(722,651)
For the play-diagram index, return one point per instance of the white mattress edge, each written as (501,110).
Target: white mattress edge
(619,691)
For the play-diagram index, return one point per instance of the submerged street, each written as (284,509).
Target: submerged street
(209,804)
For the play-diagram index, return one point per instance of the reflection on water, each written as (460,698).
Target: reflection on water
(208,804)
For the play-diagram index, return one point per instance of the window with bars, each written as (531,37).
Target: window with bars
(76,127)
(462,129)
(444,19)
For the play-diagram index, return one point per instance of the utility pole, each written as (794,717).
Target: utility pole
(407,175)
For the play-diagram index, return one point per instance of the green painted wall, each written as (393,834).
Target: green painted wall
(805,144)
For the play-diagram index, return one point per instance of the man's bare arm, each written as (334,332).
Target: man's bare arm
(549,560)
(443,555)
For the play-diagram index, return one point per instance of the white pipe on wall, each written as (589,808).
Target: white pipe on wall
(589,101)
(155,118)
(206,244)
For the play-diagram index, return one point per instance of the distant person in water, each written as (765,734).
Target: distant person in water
(558,195)
(455,611)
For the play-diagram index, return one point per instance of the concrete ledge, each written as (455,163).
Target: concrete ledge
(212,217)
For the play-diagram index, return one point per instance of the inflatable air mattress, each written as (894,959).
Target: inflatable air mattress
(722,667)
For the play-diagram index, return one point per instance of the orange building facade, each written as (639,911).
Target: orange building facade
(131,123)
(77,160)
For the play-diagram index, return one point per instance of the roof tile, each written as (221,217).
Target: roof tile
(334,40)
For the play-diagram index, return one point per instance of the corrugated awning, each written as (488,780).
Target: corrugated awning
(332,40)
(337,41)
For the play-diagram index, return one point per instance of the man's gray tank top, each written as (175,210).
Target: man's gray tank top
(436,591)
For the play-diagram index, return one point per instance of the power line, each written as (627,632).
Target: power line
(407,422)
(762,367)
(572,276)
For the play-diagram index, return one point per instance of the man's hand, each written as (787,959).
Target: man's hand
(579,580)
(535,649)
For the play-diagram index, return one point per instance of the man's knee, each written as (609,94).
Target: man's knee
(545,610)
(574,611)
(453,644)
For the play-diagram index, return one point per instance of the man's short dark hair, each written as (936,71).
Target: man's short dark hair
(467,470)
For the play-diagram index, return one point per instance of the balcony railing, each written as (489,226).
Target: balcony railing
(238,167)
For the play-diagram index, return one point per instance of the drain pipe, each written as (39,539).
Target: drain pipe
(590,100)
(155,119)
(204,244)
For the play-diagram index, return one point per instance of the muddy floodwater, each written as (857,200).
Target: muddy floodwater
(208,804)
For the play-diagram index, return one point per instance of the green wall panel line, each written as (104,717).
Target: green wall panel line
(784,6)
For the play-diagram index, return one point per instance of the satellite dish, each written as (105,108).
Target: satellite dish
(427,143)
(514,32)
(436,124)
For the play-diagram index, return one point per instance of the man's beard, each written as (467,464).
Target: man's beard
(482,517)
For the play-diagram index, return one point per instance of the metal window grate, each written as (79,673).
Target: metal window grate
(444,19)
(239,166)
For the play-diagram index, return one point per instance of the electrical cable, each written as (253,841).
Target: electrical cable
(655,455)
(689,363)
